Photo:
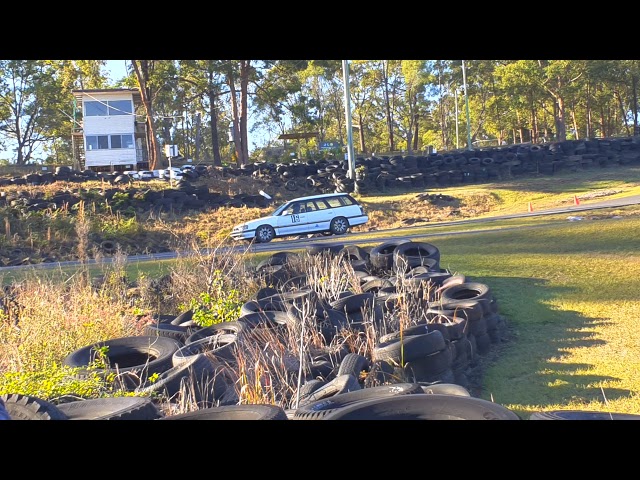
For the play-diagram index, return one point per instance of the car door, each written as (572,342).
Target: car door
(292,220)
(319,214)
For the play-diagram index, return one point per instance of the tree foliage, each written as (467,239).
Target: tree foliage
(215,109)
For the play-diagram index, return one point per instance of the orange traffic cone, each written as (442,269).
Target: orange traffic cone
(530,207)
(575,200)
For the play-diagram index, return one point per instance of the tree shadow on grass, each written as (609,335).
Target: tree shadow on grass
(526,368)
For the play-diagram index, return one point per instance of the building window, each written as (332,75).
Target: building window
(121,141)
(120,107)
(103,142)
(108,107)
(95,109)
(97,142)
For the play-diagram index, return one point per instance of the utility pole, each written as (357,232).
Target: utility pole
(455,95)
(347,107)
(466,101)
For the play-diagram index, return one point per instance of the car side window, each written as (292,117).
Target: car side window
(322,205)
(288,211)
(334,202)
(311,207)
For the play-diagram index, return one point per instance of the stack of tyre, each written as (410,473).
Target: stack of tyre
(415,370)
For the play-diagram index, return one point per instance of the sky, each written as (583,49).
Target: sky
(117,69)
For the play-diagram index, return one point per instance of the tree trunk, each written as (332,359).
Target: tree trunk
(575,123)
(415,134)
(588,107)
(245,70)
(534,122)
(561,126)
(387,106)
(213,123)
(363,147)
(634,103)
(141,68)
(198,139)
(616,93)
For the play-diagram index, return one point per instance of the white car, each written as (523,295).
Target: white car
(331,213)
(173,173)
(145,174)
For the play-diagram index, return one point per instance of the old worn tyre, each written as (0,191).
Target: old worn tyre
(581,415)
(177,332)
(445,389)
(113,408)
(410,348)
(234,412)
(130,359)
(265,233)
(198,375)
(340,384)
(466,291)
(423,407)
(223,346)
(339,226)
(319,409)
(108,246)
(27,407)
(232,327)
(354,364)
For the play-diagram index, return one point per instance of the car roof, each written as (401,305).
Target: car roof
(323,195)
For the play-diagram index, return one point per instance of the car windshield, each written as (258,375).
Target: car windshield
(280,209)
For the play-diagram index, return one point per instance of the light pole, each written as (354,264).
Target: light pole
(466,101)
(455,96)
(347,107)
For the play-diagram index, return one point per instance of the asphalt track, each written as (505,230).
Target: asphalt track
(344,239)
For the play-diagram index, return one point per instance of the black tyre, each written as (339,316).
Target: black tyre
(113,408)
(223,328)
(341,384)
(265,233)
(466,291)
(354,364)
(177,332)
(131,360)
(196,377)
(423,407)
(381,255)
(581,415)
(234,412)
(222,346)
(409,348)
(26,407)
(445,389)
(319,409)
(309,387)
(339,226)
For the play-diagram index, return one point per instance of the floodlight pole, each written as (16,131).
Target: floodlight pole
(466,101)
(347,107)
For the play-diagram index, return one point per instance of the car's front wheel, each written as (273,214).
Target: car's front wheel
(265,233)
(339,226)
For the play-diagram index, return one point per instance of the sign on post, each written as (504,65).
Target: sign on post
(329,145)
(171,150)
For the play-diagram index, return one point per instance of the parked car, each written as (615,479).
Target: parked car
(145,174)
(173,173)
(132,174)
(330,213)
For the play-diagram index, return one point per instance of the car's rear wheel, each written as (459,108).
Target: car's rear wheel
(265,233)
(339,226)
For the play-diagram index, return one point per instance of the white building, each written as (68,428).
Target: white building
(107,133)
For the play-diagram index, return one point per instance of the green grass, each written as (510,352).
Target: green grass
(569,293)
